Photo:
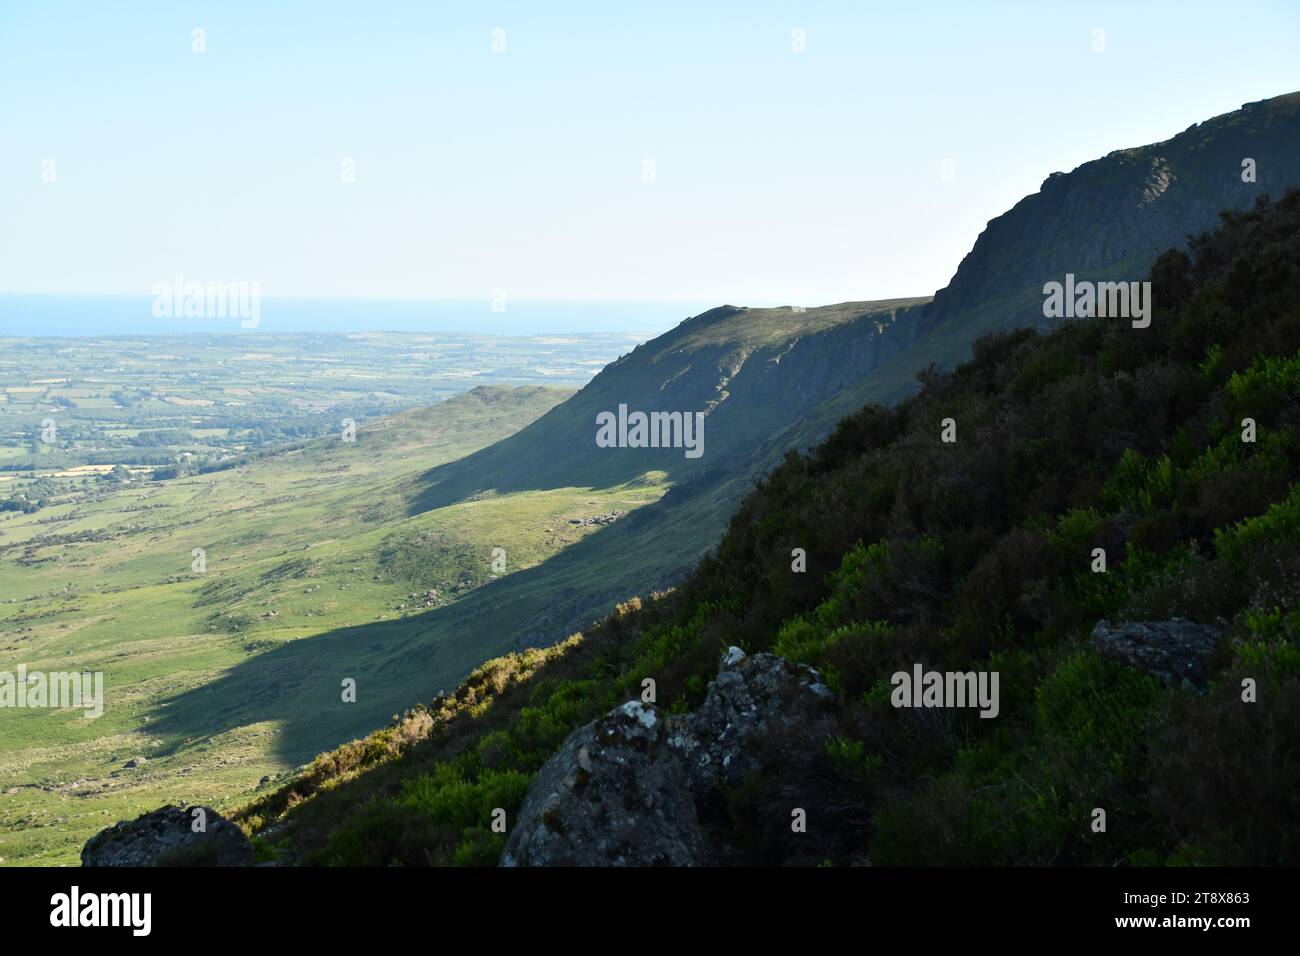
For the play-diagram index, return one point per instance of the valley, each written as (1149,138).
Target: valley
(232,541)
(167,586)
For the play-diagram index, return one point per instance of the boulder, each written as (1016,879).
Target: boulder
(753,701)
(615,794)
(166,837)
(628,789)
(1176,652)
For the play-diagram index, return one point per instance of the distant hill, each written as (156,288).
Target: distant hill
(309,569)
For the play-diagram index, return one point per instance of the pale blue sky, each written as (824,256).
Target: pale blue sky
(780,176)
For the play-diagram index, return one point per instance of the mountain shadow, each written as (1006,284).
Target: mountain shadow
(396,663)
(750,372)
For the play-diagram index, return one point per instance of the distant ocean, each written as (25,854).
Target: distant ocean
(39,315)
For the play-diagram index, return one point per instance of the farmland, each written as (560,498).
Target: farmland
(167,582)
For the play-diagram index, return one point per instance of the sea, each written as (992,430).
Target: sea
(90,315)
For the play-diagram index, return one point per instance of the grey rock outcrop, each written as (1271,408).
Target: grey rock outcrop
(1176,652)
(752,699)
(614,795)
(166,837)
(625,790)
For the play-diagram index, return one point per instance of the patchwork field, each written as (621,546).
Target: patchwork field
(196,402)
(174,588)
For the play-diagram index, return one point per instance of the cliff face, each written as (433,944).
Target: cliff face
(1111,217)
(751,372)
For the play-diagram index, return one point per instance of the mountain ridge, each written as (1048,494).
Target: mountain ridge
(839,358)
(1147,198)
(1098,219)
(972,554)
(844,356)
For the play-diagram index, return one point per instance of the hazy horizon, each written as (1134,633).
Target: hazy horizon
(99,315)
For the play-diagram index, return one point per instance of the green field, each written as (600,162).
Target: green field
(320,541)
(71,409)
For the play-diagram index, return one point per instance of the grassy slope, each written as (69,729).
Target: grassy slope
(789,377)
(654,546)
(330,539)
(749,369)
(222,677)
(973,555)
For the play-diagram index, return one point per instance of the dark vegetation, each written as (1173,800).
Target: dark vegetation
(973,555)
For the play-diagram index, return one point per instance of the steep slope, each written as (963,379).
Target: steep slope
(772,380)
(974,555)
(749,371)
(1111,217)
(1106,220)
(764,374)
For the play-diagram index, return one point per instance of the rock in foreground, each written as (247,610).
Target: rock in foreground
(626,790)
(753,701)
(166,837)
(615,794)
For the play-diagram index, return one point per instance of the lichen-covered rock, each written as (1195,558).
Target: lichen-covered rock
(1175,652)
(626,790)
(167,837)
(752,700)
(613,795)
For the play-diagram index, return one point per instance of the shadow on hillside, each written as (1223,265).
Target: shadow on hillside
(769,392)
(746,393)
(397,664)
(547,455)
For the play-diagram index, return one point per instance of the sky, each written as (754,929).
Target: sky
(753,153)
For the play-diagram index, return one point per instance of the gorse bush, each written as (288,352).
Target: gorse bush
(973,555)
